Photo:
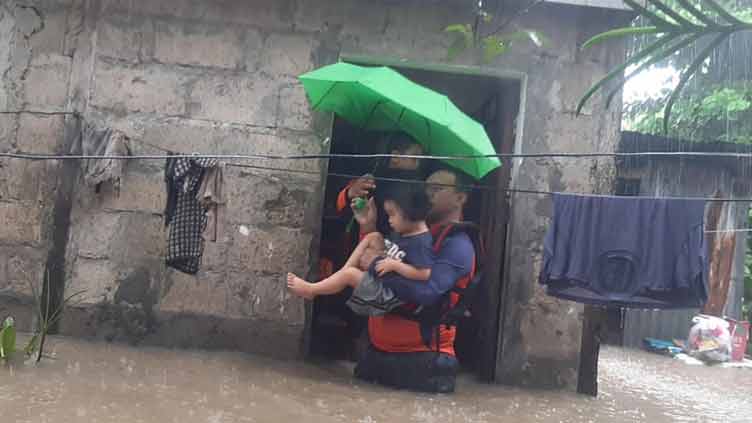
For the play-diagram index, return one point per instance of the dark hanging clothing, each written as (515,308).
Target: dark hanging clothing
(185,215)
(171,188)
(94,141)
(626,251)
(211,195)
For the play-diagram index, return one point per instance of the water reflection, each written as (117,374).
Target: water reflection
(94,382)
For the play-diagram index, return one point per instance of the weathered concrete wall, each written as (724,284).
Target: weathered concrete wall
(35,69)
(184,77)
(541,335)
(218,76)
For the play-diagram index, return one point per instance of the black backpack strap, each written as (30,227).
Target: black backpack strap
(463,308)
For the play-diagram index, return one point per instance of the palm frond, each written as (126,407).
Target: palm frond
(681,24)
(651,16)
(617,72)
(622,32)
(694,11)
(723,13)
(687,75)
(655,58)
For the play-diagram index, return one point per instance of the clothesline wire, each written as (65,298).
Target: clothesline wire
(479,186)
(26,156)
(729,230)
(412,156)
(36,157)
(483,187)
(37,112)
(378,156)
(377,178)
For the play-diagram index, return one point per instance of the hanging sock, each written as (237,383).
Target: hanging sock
(185,215)
(626,251)
(94,141)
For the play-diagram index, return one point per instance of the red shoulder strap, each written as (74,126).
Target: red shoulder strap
(442,235)
(471,230)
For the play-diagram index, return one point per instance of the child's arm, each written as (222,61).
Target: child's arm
(405,270)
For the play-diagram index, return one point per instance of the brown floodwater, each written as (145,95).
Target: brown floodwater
(98,382)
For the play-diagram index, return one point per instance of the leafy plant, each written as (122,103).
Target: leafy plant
(492,43)
(677,25)
(47,317)
(707,114)
(7,339)
(463,39)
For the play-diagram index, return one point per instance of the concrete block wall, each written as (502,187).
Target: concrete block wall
(196,77)
(186,77)
(541,335)
(219,77)
(35,66)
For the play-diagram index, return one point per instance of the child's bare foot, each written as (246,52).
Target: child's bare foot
(300,287)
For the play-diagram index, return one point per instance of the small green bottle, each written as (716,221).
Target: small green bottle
(359,204)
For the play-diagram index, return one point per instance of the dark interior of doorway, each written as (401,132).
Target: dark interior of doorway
(336,333)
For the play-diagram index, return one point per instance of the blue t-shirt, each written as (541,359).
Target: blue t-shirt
(453,262)
(415,250)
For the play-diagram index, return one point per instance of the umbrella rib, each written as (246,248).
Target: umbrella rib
(399,120)
(325,94)
(370,115)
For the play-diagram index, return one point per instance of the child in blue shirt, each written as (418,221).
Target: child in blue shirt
(406,252)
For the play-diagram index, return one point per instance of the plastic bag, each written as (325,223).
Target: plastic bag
(709,339)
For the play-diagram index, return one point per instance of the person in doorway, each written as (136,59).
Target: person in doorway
(398,356)
(407,253)
(396,168)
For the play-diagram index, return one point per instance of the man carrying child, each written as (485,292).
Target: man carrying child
(406,252)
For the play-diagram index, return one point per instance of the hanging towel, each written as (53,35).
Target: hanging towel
(626,251)
(185,215)
(94,141)
(211,196)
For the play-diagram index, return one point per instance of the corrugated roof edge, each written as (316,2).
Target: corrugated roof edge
(601,4)
(636,142)
(617,5)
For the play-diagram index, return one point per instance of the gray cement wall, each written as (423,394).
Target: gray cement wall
(219,77)
(541,335)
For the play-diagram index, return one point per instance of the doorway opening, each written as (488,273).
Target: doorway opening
(336,332)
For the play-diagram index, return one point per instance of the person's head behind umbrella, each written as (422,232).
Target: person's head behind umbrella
(403,144)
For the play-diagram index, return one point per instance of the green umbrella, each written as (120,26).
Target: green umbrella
(379,98)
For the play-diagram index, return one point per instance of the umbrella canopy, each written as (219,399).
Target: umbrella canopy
(381,99)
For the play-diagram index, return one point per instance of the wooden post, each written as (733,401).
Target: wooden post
(593,324)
